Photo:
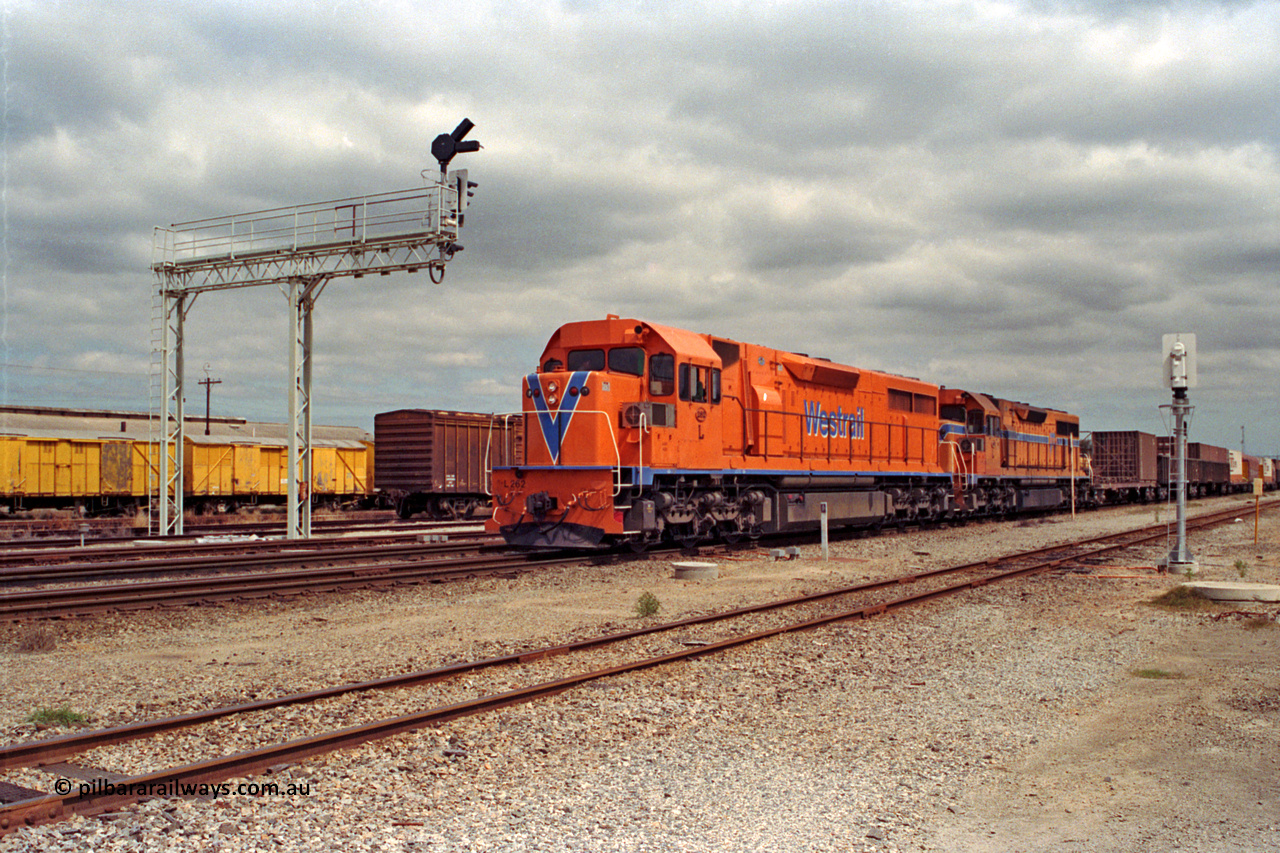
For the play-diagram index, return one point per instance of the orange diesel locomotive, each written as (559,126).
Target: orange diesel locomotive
(639,433)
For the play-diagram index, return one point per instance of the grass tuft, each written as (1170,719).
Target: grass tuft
(1182,597)
(1152,672)
(36,638)
(647,605)
(64,717)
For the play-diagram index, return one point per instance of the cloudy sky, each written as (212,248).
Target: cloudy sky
(1015,197)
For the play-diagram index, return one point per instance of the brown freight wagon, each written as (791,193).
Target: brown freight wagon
(1204,477)
(1208,467)
(440,462)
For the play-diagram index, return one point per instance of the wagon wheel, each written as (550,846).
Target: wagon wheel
(443,509)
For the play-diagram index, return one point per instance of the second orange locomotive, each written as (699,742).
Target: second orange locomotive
(638,433)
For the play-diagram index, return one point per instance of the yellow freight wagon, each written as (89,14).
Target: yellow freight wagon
(10,465)
(324,464)
(351,474)
(247,470)
(107,461)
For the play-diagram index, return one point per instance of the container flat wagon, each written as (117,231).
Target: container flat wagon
(1126,466)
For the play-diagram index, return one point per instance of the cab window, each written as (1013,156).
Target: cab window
(627,360)
(976,419)
(586,359)
(693,383)
(662,374)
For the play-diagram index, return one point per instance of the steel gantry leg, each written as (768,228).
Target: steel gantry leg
(172,415)
(303,293)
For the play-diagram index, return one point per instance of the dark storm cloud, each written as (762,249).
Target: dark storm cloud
(1003,193)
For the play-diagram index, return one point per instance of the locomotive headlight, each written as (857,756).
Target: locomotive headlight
(552,400)
(553,388)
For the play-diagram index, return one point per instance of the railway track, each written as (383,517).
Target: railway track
(427,564)
(332,566)
(70,564)
(99,535)
(476,687)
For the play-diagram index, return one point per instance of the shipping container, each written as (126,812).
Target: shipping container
(1198,450)
(1239,472)
(1125,465)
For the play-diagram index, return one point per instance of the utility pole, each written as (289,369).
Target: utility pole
(208,390)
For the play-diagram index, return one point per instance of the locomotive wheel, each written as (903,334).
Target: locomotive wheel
(640,544)
(687,536)
(731,532)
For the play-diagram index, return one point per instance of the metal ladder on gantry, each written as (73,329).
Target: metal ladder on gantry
(300,250)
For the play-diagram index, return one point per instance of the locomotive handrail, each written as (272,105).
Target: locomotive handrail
(608,419)
(639,454)
(488,444)
(957,458)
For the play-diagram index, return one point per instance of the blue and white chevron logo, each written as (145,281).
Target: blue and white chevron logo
(555,425)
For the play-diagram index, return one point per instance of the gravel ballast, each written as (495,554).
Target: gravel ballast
(1058,713)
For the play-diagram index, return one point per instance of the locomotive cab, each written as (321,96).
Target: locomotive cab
(611,402)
